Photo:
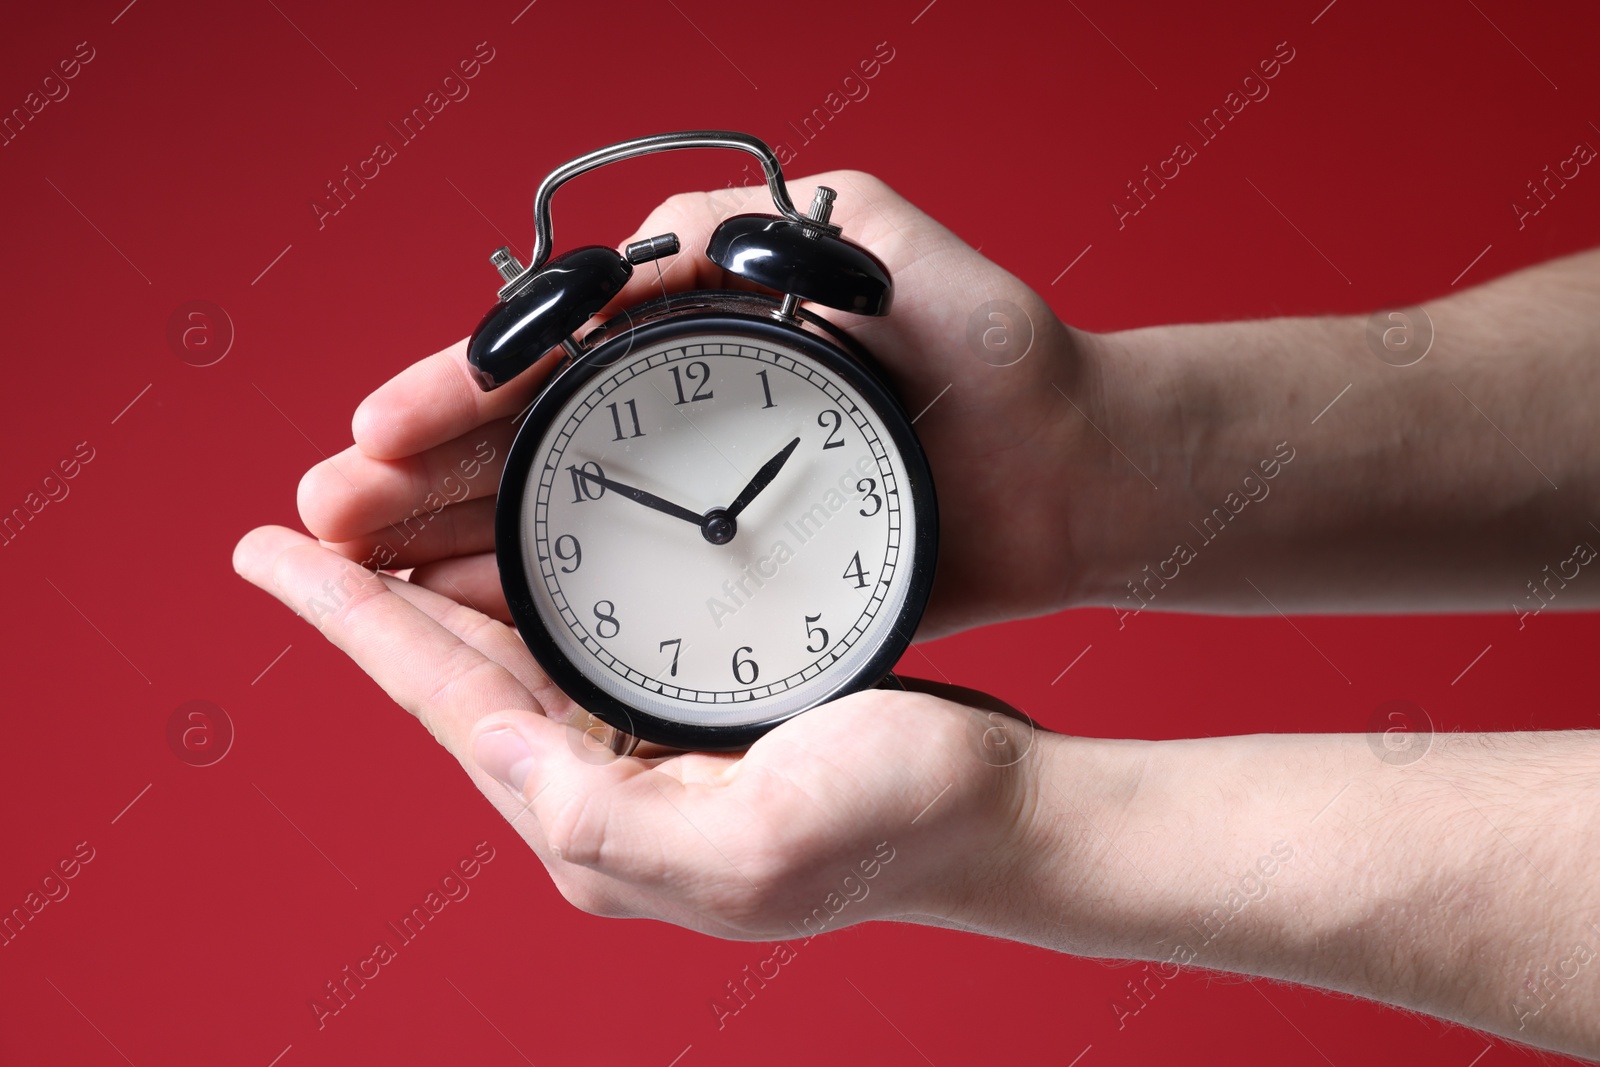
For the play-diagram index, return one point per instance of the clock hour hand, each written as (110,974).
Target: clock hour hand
(763,478)
(649,500)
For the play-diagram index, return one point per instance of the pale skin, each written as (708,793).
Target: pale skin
(1464,884)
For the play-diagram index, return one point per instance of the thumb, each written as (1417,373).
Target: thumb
(593,808)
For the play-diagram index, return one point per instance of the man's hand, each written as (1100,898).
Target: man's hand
(992,432)
(748,845)
(1461,885)
(883,804)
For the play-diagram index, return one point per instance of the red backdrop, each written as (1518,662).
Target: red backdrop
(179,163)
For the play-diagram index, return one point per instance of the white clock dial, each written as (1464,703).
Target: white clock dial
(635,594)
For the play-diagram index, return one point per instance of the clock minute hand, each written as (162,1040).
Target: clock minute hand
(649,500)
(763,478)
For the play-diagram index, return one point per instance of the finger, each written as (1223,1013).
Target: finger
(470,580)
(868,210)
(493,639)
(692,217)
(424,667)
(500,644)
(437,400)
(455,530)
(621,819)
(353,494)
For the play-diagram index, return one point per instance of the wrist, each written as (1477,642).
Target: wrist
(1057,879)
(1270,854)
(1196,423)
(1121,400)
(1323,860)
(1187,852)
(1103,404)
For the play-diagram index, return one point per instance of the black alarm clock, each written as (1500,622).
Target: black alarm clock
(715,514)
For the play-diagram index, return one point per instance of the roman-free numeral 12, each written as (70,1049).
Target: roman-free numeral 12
(703,379)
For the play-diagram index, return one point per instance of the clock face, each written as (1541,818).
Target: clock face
(666,613)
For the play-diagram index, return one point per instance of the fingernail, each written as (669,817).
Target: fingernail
(501,751)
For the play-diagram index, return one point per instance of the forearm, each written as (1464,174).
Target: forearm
(1431,486)
(1465,884)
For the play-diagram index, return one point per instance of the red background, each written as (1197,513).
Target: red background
(183,164)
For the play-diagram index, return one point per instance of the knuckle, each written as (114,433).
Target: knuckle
(861,178)
(684,209)
(859,182)
(418,476)
(453,536)
(476,629)
(461,674)
(687,201)
(363,590)
(462,669)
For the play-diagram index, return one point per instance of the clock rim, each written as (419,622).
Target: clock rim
(700,313)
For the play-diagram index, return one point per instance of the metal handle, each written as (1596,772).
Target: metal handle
(643,146)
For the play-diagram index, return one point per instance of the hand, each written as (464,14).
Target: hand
(762,479)
(992,433)
(892,805)
(815,797)
(877,805)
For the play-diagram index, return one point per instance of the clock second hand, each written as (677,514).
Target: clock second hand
(649,500)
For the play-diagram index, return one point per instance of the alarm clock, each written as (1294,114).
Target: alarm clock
(716,515)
